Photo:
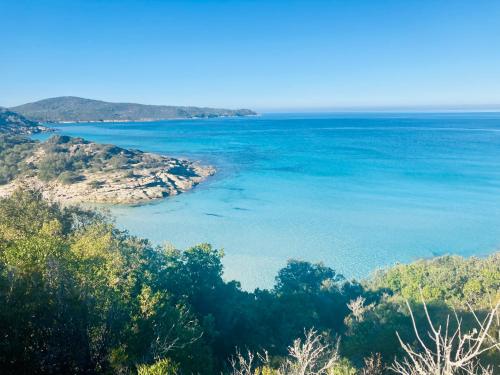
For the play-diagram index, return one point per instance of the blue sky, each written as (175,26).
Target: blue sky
(267,55)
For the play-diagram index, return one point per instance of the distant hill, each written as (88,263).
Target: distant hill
(74,109)
(13,123)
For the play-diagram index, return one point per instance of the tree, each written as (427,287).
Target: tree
(304,277)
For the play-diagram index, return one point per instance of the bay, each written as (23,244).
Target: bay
(356,191)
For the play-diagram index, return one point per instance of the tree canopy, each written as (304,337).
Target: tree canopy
(79,296)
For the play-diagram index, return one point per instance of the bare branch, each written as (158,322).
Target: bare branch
(451,355)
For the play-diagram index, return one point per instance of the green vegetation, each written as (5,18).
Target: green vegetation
(78,296)
(70,108)
(65,158)
(14,151)
(452,279)
(85,171)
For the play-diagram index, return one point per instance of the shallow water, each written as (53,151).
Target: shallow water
(355,191)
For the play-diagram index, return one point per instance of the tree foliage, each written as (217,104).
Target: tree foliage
(450,279)
(79,296)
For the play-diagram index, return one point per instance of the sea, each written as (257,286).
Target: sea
(355,191)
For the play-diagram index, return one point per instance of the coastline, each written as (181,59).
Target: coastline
(145,120)
(103,173)
(151,185)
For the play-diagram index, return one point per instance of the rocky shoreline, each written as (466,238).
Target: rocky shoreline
(74,170)
(146,186)
(104,121)
(104,173)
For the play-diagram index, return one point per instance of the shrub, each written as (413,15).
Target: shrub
(13,154)
(69,177)
(52,165)
(160,367)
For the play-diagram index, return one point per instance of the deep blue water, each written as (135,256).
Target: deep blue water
(355,191)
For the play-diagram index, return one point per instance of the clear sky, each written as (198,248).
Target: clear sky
(258,54)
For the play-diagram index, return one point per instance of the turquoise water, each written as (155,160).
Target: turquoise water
(355,191)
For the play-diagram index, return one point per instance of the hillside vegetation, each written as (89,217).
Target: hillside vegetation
(79,296)
(14,153)
(74,109)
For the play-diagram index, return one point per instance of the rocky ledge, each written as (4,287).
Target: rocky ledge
(72,170)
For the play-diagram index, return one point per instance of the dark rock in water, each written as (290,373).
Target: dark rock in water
(211,214)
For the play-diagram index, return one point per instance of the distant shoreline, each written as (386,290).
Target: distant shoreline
(73,109)
(143,120)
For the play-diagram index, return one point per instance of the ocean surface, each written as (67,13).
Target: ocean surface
(354,191)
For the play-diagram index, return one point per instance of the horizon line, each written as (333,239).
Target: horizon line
(361,111)
(384,109)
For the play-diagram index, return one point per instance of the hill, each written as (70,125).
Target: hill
(74,109)
(14,123)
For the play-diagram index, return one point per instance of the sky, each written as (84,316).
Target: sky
(267,55)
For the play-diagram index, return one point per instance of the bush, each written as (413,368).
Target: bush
(119,162)
(69,178)
(451,279)
(160,367)
(14,151)
(52,165)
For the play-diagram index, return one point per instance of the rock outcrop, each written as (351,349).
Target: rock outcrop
(72,170)
(15,124)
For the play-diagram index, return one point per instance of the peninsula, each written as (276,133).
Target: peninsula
(75,109)
(73,170)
